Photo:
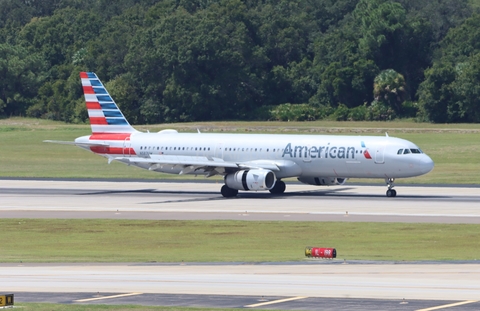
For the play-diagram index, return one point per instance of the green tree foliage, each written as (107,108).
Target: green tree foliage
(389,89)
(179,60)
(451,87)
(395,41)
(451,93)
(20,78)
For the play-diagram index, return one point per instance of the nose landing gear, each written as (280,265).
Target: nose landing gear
(390,192)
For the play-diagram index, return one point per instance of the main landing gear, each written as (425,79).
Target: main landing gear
(390,192)
(278,188)
(228,192)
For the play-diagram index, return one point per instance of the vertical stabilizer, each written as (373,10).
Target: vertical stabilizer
(105,117)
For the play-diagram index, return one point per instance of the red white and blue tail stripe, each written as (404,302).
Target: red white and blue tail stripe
(105,117)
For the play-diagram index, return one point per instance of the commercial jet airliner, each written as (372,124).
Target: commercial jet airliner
(256,162)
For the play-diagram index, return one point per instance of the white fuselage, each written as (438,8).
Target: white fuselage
(295,155)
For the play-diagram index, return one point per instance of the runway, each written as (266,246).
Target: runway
(371,285)
(187,200)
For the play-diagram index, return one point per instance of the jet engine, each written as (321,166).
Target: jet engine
(322,181)
(251,180)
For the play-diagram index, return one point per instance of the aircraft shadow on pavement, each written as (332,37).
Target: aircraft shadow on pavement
(215,195)
(150,191)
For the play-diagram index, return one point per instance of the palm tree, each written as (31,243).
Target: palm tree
(389,89)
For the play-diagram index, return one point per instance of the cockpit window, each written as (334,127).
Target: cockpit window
(400,151)
(415,151)
(406,151)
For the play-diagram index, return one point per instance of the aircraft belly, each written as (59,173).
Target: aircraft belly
(324,167)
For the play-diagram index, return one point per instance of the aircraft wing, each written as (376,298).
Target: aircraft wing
(193,163)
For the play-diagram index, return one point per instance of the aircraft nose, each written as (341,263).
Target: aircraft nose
(427,164)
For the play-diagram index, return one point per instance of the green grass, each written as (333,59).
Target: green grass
(73,240)
(453,147)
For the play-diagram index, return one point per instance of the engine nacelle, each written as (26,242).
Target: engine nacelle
(251,180)
(322,181)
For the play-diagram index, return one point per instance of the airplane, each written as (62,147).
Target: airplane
(255,162)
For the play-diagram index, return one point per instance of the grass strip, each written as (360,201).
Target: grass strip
(74,240)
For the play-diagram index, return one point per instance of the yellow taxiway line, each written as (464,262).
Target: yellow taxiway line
(107,297)
(273,302)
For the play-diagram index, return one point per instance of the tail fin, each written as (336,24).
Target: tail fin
(105,117)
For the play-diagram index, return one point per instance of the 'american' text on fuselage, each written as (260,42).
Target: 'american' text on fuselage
(319,152)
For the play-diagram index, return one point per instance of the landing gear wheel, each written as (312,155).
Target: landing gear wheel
(278,188)
(228,192)
(391,193)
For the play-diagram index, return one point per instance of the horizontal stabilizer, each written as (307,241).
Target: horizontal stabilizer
(87,144)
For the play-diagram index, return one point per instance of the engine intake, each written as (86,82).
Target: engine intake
(251,180)
(322,181)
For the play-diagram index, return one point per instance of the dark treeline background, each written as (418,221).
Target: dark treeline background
(193,60)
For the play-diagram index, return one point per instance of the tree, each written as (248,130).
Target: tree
(449,92)
(394,40)
(389,88)
(21,75)
(61,35)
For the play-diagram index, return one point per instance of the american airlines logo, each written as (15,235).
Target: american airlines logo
(332,152)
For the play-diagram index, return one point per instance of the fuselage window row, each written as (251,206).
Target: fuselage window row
(208,149)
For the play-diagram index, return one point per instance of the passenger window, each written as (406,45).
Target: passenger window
(400,151)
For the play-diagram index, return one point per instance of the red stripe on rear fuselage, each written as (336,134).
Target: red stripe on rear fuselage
(110,136)
(113,150)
